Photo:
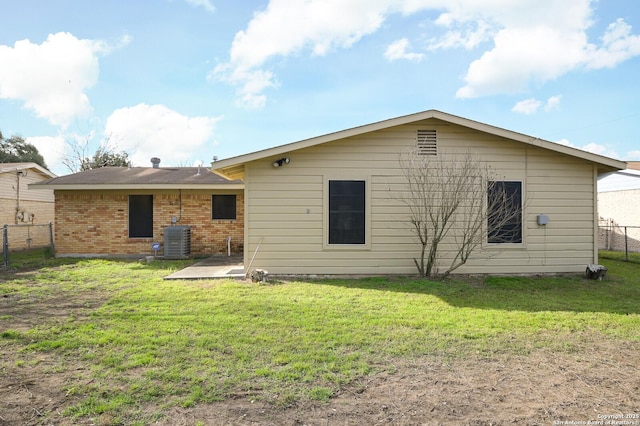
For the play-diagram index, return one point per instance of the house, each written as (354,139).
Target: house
(619,209)
(120,211)
(288,191)
(22,208)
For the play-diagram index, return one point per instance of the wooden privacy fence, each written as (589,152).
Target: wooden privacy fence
(25,237)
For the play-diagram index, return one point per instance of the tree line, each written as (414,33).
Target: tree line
(17,150)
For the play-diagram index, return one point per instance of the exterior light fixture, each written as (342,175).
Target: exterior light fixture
(281,162)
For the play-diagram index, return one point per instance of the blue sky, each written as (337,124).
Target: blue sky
(186,80)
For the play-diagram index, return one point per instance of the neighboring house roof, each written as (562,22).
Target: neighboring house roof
(233,168)
(16,167)
(633,165)
(622,180)
(141,178)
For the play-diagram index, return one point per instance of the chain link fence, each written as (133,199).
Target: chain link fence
(21,238)
(619,238)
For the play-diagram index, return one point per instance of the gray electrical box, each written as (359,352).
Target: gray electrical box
(543,219)
(177,242)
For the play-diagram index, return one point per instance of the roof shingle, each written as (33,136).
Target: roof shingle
(106,176)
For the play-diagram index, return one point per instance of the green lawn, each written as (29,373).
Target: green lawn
(145,340)
(620,255)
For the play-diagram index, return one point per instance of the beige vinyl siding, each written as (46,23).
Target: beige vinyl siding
(36,202)
(35,194)
(8,186)
(286,207)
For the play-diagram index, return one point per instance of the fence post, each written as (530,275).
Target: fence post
(609,233)
(5,245)
(53,247)
(626,245)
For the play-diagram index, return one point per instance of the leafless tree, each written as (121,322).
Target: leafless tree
(78,159)
(77,150)
(460,201)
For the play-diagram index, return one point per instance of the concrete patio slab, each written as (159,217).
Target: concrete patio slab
(215,267)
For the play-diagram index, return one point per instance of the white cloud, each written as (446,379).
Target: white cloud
(532,105)
(599,149)
(528,106)
(520,56)
(533,41)
(543,47)
(398,50)
(52,78)
(593,148)
(146,131)
(471,34)
(552,103)
(252,83)
(206,4)
(51,148)
(287,27)
(618,45)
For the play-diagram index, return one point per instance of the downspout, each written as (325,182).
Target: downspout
(18,174)
(245,219)
(595,214)
(179,218)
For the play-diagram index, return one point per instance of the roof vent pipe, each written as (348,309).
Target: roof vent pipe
(156,162)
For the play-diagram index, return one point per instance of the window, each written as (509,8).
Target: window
(347,202)
(504,212)
(140,216)
(427,142)
(223,207)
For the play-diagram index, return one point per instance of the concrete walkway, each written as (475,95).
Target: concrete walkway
(212,267)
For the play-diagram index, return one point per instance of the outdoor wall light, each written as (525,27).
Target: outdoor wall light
(281,162)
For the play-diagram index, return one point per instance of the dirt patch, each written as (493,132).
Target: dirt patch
(35,394)
(538,389)
(535,390)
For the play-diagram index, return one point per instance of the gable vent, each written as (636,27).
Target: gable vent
(427,142)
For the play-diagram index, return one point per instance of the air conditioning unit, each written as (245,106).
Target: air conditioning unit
(177,242)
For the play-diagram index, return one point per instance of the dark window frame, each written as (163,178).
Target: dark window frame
(140,221)
(347,212)
(226,207)
(507,226)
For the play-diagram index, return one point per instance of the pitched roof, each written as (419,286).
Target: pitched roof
(619,181)
(141,178)
(233,168)
(14,167)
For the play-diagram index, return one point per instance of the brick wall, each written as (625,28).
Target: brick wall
(612,236)
(96,222)
(618,209)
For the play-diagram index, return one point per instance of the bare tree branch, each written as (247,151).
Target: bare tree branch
(76,153)
(460,200)
(106,155)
